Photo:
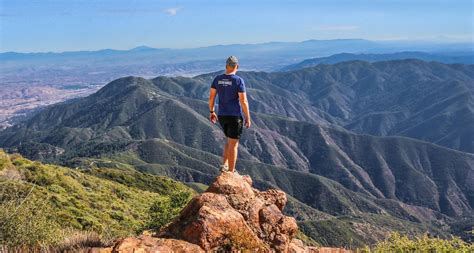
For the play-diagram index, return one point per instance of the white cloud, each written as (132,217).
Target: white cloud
(336,28)
(172,11)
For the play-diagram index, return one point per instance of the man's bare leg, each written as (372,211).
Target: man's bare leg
(232,150)
(225,157)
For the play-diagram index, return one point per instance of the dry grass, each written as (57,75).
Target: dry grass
(239,241)
(73,241)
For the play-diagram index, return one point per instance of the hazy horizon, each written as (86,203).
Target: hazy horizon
(441,42)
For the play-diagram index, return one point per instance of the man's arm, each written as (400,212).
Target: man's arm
(212,100)
(245,108)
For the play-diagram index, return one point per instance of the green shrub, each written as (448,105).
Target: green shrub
(166,208)
(27,221)
(402,243)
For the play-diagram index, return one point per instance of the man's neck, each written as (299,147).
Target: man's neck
(231,73)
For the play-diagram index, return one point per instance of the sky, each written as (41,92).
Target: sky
(72,25)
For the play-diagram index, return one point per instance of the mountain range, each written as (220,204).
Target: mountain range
(286,51)
(464,57)
(360,148)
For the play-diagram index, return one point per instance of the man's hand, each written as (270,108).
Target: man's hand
(213,117)
(245,108)
(212,99)
(247,123)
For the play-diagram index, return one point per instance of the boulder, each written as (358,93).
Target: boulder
(233,215)
(208,221)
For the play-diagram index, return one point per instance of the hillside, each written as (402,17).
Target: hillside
(340,184)
(464,57)
(429,101)
(44,205)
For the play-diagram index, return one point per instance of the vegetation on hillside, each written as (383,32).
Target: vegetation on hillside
(402,243)
(367,229)
(47,205)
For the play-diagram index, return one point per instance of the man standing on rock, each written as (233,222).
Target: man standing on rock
(232,105)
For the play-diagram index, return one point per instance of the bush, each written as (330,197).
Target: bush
(239,241)
(166,208)
(26,221)
(401,243)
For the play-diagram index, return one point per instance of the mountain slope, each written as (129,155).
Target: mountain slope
(424,100)
(46,205)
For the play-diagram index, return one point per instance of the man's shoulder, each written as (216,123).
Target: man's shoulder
(238,78)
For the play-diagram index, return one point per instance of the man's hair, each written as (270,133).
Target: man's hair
(232,61)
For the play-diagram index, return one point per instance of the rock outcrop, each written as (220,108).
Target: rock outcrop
(233,215)
(230,216)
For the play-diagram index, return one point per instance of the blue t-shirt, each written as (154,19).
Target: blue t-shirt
(228,87)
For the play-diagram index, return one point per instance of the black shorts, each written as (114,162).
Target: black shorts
(231,125)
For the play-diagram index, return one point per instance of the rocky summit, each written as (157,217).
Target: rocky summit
(230,216)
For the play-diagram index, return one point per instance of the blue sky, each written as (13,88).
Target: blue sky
(69,25)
